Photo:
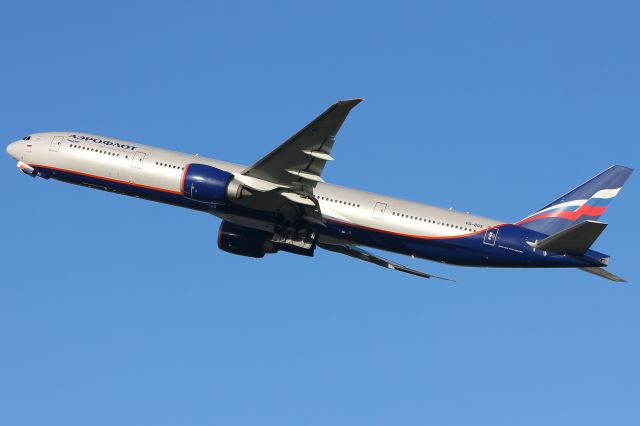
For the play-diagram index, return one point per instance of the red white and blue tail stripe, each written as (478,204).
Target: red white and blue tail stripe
(586,202)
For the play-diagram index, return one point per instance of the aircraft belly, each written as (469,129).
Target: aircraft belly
(508,250)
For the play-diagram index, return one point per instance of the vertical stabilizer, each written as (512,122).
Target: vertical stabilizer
(586,202)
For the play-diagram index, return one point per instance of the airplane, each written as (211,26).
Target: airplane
(282,203)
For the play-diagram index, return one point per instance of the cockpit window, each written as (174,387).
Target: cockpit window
(26,138)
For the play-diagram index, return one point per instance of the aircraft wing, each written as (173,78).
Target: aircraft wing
(370,257)
(299,161)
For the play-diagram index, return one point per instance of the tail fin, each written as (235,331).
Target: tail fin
(587,202)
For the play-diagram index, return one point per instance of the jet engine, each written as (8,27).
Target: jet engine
(250,242)
(210,184)
(244,241)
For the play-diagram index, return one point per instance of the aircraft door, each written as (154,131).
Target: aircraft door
(55,143)
(378,210)
(137,160)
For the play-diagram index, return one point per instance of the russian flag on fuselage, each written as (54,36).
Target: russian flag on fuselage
(586,202)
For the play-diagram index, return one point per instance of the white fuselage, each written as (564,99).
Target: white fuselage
(162,170)
(343,218)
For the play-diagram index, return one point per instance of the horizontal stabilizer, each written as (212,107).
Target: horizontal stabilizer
(604,274)
(575,240)
(370,257)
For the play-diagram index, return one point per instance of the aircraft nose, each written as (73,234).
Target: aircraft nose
(12,150)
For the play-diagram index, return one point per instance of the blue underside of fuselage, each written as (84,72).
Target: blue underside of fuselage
(508,249)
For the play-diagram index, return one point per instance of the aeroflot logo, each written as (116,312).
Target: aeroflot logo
(103,141)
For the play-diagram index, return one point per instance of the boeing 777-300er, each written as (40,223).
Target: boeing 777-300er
(281,203)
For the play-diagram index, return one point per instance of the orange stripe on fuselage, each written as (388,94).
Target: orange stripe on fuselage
(424,237)
(169,191)
(184,175)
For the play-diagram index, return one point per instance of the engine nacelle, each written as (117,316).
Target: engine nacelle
(244,241)
(210,184)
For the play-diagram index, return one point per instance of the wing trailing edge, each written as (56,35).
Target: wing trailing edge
(358,253)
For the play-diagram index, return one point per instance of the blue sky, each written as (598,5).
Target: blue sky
(119,311)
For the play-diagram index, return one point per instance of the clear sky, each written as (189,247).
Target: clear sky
(120,311)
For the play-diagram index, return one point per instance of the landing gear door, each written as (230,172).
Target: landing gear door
(378,211)
(55,143)
(138,158)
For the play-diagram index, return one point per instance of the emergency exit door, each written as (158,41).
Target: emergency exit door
(138,159)
(378,210)
(55,143)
